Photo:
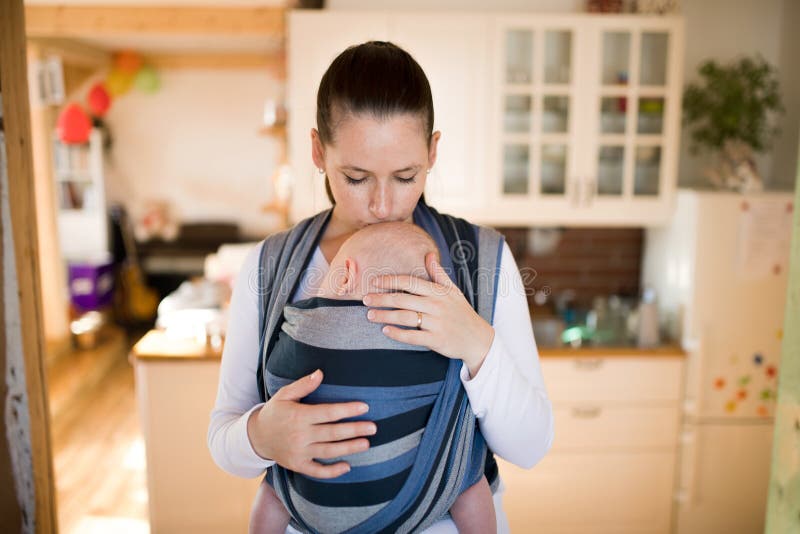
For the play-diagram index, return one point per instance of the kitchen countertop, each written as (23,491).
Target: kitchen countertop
(157,345)
(663,351)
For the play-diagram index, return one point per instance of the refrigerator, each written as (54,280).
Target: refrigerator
(720,273)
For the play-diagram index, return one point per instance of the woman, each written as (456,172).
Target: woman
(375,145)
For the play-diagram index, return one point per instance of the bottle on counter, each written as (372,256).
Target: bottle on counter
(647,327)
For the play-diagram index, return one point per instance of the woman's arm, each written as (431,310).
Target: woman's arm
(237,394)
(507,394)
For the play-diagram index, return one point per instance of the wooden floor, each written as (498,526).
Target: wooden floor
(99,455)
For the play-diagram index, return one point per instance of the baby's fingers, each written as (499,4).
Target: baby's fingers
(327,451)
(341,431)
(318,470)
(335,411)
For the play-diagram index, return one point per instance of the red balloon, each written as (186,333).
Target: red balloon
(73,125)
(99,100)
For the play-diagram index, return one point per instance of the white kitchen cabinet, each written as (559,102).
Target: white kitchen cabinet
(453,51)
(586,118)
(315,39)
(579,493)
(545,119)
(612,464)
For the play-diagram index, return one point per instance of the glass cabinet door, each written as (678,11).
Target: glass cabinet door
(615,66)
(537,108)
(647,176)
(631,103)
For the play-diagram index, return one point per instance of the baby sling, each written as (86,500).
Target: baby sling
(471,256)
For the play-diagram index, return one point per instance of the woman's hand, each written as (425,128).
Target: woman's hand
(294,434)
(449,325)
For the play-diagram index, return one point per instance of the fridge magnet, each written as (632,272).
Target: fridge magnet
(719,383)
(730,406)
(766,394)
(744,380)
(741,394)
(758,359)
(771,371)
(762,411)
(779,333)
(776,269)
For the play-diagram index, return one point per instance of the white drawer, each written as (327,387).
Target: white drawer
(590,493)
(609,427)
(612,379)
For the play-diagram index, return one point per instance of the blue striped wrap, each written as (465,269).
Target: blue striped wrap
(428,442)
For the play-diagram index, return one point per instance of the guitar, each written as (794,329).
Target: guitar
(135,302)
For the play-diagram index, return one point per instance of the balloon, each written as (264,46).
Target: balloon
(147,80)
(128,61)
(118,82)
(73,125)
(98,99)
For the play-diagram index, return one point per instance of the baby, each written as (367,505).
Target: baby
(324,332)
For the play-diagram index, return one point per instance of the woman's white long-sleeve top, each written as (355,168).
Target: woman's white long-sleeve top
(507,395)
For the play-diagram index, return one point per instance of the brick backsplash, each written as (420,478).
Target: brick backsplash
(590,261)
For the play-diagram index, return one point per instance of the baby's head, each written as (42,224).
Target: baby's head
(377,249)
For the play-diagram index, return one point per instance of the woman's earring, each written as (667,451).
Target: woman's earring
(322,171)
(428,171)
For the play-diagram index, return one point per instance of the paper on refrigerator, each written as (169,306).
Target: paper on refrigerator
(765,231)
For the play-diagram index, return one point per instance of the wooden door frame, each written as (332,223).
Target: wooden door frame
(19,160)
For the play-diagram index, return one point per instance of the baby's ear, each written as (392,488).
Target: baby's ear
(349,277)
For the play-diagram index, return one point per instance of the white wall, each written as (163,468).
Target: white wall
(194,143)
(725,30)
(786,153)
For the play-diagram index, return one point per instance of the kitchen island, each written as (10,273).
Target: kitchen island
(176,386)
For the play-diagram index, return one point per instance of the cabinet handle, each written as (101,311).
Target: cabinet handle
(586,364)
(586,412)
(687,487)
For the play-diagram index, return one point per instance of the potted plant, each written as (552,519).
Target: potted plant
(730,112)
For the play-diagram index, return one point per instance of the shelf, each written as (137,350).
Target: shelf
(81,178)
(278,130)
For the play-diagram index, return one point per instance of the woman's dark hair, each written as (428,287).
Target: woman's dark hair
(377,78)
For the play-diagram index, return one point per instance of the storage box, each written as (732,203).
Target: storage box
(91,284)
